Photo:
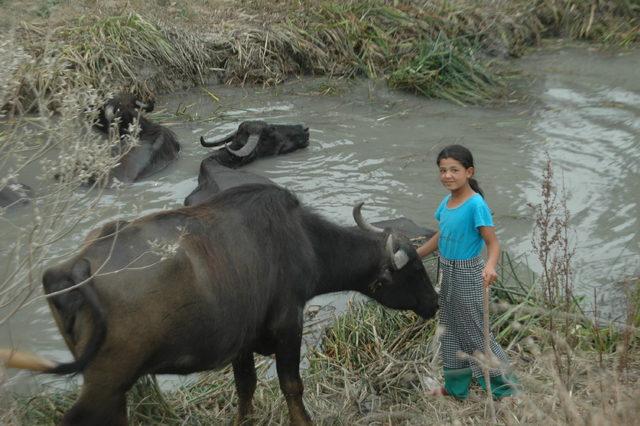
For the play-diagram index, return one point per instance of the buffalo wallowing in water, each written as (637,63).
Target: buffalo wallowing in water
(257,139)
(214,178)
(157,145)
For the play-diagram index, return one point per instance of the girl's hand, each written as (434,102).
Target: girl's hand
(493,249)
(489,275)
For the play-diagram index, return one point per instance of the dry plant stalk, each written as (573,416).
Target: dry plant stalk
(487,351)
(632,321)
(553,248)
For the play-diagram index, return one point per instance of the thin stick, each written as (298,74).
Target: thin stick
(487,353)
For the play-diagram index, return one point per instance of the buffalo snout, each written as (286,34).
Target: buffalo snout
(428,311)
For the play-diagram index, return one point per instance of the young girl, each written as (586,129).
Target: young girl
(465,227)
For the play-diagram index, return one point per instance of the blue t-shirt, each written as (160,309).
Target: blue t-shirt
(460,237)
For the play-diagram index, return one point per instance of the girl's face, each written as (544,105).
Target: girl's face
(453,174)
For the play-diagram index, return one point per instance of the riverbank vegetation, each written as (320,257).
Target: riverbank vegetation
(440,49)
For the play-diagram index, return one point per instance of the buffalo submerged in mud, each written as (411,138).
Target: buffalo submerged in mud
(214,178)
(156,148)
(257,139)
(252,140)
(195,288)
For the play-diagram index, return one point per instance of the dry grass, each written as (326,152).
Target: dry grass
(375,366)
(437,49)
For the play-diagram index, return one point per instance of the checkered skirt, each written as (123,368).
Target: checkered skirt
(461,316)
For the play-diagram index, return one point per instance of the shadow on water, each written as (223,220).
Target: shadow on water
(375,145)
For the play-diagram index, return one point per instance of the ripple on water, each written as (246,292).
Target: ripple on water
(591,135)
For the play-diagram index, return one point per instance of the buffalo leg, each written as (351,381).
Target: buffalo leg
(288,367)
(102,401)
(97,407)
(244,371)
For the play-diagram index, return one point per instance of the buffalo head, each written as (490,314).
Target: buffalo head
(403,282)
(257,139)
(124,107)
(157,146)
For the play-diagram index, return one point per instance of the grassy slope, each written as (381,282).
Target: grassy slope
(438,49)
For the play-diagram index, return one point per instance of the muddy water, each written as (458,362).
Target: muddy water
(379,146)
(587,117)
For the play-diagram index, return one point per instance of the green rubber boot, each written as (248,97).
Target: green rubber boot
(457,381)
(501,386)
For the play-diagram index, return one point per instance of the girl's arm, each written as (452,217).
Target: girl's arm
(489,274)
(430,246)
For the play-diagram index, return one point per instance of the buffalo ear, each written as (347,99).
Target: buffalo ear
(400,258)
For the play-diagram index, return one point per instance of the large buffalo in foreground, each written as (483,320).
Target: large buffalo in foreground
(157,146)
(195,288)
(257,139)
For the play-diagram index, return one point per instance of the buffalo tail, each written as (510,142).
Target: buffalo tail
(69,303)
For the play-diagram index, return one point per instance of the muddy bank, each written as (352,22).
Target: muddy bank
(441,49)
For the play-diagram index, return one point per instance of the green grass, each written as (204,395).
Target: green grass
(444,69)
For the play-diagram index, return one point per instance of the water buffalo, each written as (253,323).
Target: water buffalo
(214,178)
(158,146)
(13,194)
(195,288)
(257,139)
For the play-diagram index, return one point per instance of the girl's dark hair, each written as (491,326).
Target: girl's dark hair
(463,155)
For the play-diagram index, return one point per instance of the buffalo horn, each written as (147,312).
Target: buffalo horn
(142,105)
(248,147)
(219,142)
(108,113)
(399,258)
(357,216)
